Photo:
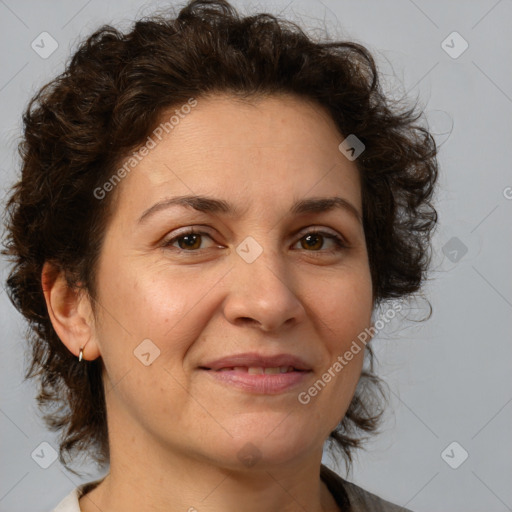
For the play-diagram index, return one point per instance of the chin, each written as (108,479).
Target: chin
(263,449)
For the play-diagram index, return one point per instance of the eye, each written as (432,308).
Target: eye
(188,240)
(313,241)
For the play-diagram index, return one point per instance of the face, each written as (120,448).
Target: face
(195,329)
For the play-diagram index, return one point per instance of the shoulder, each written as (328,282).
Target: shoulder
(362,500)
(70,503)
(350,495)
(345,494)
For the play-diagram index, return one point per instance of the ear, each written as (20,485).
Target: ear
(70,313)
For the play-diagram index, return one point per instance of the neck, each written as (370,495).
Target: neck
(170,481)
(148,473)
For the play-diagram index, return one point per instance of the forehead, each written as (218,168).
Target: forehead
(262,148)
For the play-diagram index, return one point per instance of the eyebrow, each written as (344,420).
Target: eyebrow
(207,204)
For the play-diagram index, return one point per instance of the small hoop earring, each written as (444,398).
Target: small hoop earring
(80,355)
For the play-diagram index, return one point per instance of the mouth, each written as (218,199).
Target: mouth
(258,374)
(257,370)
(253,362)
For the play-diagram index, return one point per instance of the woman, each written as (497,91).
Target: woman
(210,211)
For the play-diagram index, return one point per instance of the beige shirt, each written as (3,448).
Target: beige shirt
(348,496)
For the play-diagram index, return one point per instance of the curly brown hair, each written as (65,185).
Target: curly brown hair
(82,124)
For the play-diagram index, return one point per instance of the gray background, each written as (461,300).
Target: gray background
(449,376)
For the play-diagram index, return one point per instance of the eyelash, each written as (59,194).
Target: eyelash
(339,242)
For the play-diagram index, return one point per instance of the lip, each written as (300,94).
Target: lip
(260,384)
(266,384)
(253,359)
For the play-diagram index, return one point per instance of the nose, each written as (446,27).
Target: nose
(262,294)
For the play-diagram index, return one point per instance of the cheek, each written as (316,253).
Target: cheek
(345,307)
(140,301)
(152,318)
(169,308)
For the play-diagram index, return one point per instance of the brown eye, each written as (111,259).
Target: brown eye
(192,241)
(188,241)
(314,241)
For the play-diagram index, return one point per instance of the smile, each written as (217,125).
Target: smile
(258,380)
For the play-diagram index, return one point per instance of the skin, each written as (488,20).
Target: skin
(175,432)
